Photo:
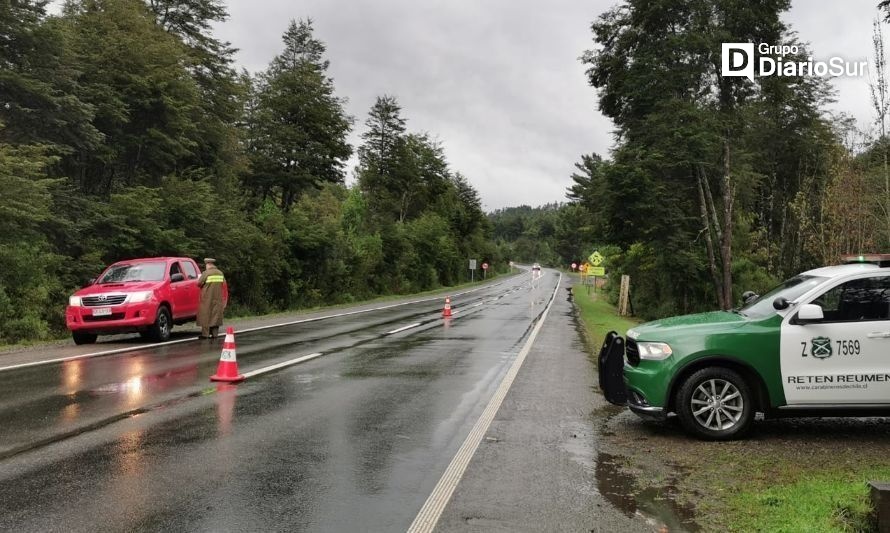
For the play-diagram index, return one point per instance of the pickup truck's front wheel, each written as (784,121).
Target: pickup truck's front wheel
(163,325)
(83,338)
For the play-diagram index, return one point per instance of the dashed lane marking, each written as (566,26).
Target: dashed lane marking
(270,368)
(403,328)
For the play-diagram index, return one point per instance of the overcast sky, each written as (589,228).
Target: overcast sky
(498,81)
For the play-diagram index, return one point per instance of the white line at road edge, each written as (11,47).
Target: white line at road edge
(281,365)
(193,339)
(97,354)
(429,514)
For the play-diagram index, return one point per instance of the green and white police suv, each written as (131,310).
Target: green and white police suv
(816,345)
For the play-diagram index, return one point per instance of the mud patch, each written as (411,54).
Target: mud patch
(657,505)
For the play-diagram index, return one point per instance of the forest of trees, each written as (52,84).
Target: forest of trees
(715,185)
(127,131)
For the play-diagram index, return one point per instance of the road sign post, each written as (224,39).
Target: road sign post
(623,295)
(484,269)
(596,259)
(472,270)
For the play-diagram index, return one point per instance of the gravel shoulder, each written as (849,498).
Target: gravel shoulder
(537,467)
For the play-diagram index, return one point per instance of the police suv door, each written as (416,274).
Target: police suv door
(844,358)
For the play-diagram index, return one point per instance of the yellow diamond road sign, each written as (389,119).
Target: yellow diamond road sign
(596,259)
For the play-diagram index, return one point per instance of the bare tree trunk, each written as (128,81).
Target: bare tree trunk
(769,224)
(403,206)
(880,99)
(726,247)
(712,261)
(710,197)
(886,194)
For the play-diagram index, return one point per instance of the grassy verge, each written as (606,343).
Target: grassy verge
(828,500)
(598,317)
(788,475)
(813,480)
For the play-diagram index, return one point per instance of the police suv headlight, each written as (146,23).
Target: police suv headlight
(138,297)
(654,351)
(74,301)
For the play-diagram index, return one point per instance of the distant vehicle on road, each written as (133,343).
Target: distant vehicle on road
(147,296)
(536,267)
(816,345)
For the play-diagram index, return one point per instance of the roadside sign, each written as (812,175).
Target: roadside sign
(472,264)
(511,264)
(596,259)
(596,271)
(484,266)
(574,266)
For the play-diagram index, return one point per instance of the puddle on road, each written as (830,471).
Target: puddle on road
(658,505)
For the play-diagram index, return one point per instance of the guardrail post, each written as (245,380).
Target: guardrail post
(880,499)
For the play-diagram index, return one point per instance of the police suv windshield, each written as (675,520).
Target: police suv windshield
(153,271)
(790,289)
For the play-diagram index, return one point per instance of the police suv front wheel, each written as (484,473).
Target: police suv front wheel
(715,403)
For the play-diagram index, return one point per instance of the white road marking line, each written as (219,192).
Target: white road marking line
(429,514)
(97,354)
(270,368)
(194,339)
(403,328)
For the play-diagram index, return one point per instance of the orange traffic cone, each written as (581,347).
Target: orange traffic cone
(447,311)
(227,370)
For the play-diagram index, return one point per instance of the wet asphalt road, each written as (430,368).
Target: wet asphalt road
(354,440)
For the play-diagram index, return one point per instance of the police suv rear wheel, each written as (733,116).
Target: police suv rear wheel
(715,403)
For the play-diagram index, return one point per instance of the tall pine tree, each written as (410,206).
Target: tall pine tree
(299,126)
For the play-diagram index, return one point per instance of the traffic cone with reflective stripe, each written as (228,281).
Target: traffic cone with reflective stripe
(227,370)
(447,311)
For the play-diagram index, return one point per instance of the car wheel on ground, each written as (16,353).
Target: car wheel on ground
(715,403)
(84,338)
(162,327)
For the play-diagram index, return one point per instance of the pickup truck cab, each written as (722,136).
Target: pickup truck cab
(816,345)
(147,296)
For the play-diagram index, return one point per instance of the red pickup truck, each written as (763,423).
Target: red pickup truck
(146,295)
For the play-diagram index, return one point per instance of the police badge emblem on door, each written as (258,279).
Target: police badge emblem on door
(820,347)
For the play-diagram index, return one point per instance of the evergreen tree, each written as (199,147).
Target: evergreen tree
(691,142)
(380,155)
(37,104)
(210,64)
(299,127)
(147,106)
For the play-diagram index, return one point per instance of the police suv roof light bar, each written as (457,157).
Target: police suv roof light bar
(882,260)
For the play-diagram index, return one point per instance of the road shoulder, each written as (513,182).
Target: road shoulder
(535,469)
